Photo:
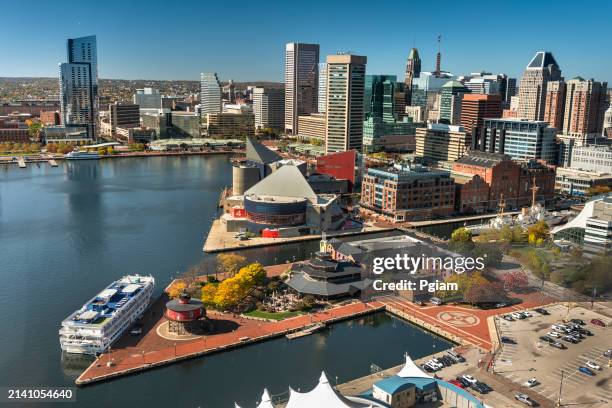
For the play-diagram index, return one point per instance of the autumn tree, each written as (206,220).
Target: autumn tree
(537,233)
(488,292)
(176,289)
(515,280)
(230,263)
(232,290)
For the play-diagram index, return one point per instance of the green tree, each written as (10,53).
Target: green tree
(34,128)
(461,235)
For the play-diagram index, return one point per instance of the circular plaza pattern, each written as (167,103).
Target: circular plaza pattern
(164,332)
(459,319)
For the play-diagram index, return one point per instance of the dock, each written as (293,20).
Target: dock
(133,355)
(305,331)
(21,162)
(53,163)
(222,241)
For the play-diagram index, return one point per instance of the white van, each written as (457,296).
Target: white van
(436,301)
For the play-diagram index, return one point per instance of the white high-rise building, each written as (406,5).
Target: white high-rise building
(345,94)
(322,92)
(210,93)
(79,85)
(269,108)
(301,83)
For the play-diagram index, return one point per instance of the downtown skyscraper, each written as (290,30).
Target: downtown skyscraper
(345,98)
(79,85)
(542,69)
(210,93)
(301,83)
(413,70)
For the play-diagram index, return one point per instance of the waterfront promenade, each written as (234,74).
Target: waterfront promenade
(219,240)
(38,158)
(132,355)
(459,324)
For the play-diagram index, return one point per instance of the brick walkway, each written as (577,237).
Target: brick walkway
(468,324)
(137,354)
(134,354)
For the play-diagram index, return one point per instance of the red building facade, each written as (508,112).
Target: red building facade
(340,165)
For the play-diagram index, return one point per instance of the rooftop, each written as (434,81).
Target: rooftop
(542,59)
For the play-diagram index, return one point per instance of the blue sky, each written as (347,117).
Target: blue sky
(244,40)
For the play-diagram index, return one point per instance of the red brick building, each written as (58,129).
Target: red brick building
(554,105)
(502,176)
(408,194)
(476,107)
(50,118)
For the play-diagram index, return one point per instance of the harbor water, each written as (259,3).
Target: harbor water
(68,231)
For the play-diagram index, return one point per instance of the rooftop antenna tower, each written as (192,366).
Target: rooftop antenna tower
(438,57)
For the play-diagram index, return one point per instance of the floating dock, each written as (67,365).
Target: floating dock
(53,163)
(21,162)
(308,330)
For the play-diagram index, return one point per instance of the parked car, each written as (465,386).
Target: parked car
(427,368)
(436,301)
(598,322)
(582,330)
(432,366)
(570,339)
(507,340)
(455,356)
(542,311)
(524,398)
(592,365)
(478,387)
(486,386)
(435,364)
(577,335)
(463,381)
(553,334)
(508,318)
(547,339)
(608,353)
(586,371)
(532,382)
(578,321)
(517,316)
(558,327)
(456,383)
(558,345)
(469,379)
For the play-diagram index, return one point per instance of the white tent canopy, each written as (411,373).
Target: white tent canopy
(266,401)
(323,395)
(410,369)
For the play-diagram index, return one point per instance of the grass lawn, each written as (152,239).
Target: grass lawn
(271,315)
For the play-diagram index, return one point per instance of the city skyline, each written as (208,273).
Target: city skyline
(134,48)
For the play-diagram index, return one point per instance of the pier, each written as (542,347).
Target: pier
(222,241)
(21,162)
(151,351)
(459,324)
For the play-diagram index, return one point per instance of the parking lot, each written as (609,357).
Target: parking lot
(532,357)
